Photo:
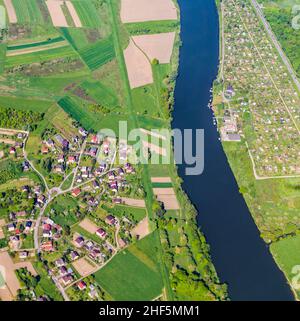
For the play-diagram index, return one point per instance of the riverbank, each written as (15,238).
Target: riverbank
(270,201)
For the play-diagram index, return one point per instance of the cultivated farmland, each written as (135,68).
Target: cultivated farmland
(133,273)
(98,54)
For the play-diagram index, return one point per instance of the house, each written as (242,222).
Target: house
(60,159)
(58,169)
(11,227)
(47,246)
(47,234)
(110,219)
(71,160)
(50,143)
(74,255)
(41,199)
(93,151)
(93,294)
(18,144)
(63,271)
(95,139)
(45,149)
(117,200)
(96,185)
(25,166)
(37,189)
(25,189)
(23,255)
(95,254)
(89,245)
(76,192)
(83,132)
(67,279)
(81,285)
(79,241)
(12,150)
(59,262)
(47,227)
(28,226)
(21,214)
(101,233)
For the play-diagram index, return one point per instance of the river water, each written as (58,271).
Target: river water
(240,256)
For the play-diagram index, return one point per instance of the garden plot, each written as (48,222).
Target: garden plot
(156,46)
(134,202)
(12,17)
(84,267)
(89,226)
(138,66)
(145,10)
(168,197)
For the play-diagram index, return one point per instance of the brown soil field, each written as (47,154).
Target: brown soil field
(148,132)
(57,16)
(89,226)
(73,14)
(134,202)
(142,229)
(7,141)
(155,148)
(156,46)
(161,180)
(145,10)
(138,66)
(168,197)
(84,267)
(12,17)
(11,279)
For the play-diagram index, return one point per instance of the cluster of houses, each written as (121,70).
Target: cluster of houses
(261,93)
(16,228)
(12,143)
(50,232)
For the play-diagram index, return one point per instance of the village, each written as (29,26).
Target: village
(260,101)
(77,227)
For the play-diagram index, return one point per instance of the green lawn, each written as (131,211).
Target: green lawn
(133,274)
(287,255)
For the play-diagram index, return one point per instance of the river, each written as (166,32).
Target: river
(241,257)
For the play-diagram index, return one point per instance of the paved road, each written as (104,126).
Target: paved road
(268,28)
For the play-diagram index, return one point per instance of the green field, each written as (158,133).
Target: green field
(287,255)
(133,274)
(25,104)
(87,13)
(39,56)
(98,54)
(35,44)
(28,11)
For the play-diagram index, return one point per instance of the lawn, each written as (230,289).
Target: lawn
(287,255)
(133,274)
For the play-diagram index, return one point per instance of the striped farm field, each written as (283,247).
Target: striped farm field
(35,44)
(98,54)
(87,13)
(28,11)
(79,113)
(46,55)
